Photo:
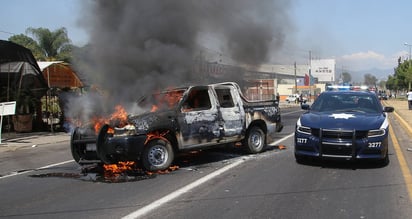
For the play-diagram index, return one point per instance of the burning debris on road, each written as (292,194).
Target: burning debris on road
(110,173)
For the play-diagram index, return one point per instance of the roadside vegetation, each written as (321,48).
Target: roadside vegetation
(402,77)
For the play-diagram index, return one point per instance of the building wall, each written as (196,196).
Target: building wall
(324,70)
(261,89)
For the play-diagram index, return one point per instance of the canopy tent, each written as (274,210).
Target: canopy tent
(19,71)
(59,74)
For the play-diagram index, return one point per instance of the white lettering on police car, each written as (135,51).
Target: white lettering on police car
(302,140)
(374,144)
(342,116)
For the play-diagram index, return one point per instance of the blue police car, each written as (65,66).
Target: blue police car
(343,124)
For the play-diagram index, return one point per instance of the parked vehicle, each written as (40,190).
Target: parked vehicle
(383,96)
(195,117)
(295,98)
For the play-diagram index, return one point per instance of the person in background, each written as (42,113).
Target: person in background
(409,95)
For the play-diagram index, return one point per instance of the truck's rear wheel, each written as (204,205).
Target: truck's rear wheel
(255,140)
(157,155)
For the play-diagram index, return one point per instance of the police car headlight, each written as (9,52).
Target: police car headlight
(303,129)
(376,133)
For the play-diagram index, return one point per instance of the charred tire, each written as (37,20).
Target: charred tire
(157,155)
(255,140)
(75,149)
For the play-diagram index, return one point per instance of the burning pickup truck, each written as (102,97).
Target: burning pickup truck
(190,118)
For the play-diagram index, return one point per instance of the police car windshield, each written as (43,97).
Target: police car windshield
(347,101)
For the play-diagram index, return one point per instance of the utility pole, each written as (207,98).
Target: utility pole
(409,45)
(296,83)
(310,76)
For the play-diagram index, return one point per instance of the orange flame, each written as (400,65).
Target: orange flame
(115,169)
(166,171)
(156,134)
(120,115)
(168,99)
(154,108)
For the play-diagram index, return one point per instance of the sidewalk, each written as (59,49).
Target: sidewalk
(401,108)
(14,141)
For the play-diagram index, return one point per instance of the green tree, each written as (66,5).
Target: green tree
(382,84)
(346,77)
(408,74)
(47,45)
(403,75)
(29,43)
(370,80)
(392,83)
(55,45)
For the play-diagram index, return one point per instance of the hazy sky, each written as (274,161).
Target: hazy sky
(360,35)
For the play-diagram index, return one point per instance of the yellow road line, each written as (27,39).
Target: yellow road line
(404,124)
(406,172)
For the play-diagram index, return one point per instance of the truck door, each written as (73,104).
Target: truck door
(198,119)
(232,114)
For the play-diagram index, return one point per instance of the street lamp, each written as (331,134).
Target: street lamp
(407,44)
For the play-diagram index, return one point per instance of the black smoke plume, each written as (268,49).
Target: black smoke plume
(140,46)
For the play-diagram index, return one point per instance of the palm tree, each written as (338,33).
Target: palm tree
(54,45)
(29,43)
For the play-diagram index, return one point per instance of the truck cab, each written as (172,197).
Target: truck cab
(210,115)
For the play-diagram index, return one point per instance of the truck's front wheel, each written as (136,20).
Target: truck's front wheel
(157,155)
(255,140)
(75,149)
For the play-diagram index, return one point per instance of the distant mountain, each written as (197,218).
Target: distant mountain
(380,74)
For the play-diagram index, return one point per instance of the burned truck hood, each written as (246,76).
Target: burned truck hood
(147,122)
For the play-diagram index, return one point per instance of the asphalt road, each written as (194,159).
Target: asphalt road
(219,183)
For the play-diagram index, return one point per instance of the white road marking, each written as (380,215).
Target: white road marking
(282,139)
(146,209)
(156,204)
(291,112)
(31,170)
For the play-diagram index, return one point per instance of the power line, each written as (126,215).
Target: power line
(2,31)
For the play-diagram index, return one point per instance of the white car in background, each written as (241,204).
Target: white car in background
(292,98)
